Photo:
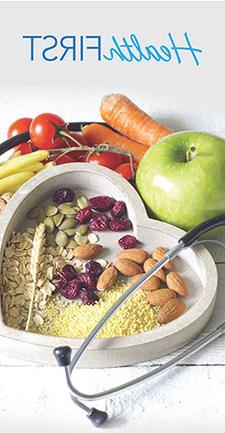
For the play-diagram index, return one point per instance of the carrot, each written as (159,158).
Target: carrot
(124,116)
(97,134)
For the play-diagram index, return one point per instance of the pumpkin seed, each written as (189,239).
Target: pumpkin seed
(93,238)
(68,223)
(81,240)
(35,212)
(82,202)
(70,232)
(66,209)
(49,224)
(61,238)
(51,210)
(58,218)
(50,238)
(82,230)
(72,244)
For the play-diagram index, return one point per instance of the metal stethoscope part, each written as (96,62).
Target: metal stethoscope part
(63,354)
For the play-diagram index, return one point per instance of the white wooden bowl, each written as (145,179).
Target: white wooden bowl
(195,264)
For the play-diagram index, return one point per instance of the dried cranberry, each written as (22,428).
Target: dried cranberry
(94,268)
(99,223)
(119,209)
(72,289)
(63,195)
(88,280)
(59,282)
(84,215)
(120,224)
(127,241)
(88,297)
(69,272)
(102,203)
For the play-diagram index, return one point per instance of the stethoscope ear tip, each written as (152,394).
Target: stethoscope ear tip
(63,355)
(97,417)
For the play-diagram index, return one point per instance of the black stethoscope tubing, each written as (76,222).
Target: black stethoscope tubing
(23,138)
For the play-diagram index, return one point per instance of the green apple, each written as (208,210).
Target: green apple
(182,178)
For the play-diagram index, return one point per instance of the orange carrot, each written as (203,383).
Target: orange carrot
(97,134)
(124,116)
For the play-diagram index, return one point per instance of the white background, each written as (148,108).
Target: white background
(34,398)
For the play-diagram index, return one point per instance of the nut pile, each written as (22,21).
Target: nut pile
(162,288)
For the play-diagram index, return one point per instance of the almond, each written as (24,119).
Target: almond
(171,310)
(107,279)
(149,263)
(160,297)
(159,253)
(87,252)
(176,283)
(151,284)
(127,267)
(136,254)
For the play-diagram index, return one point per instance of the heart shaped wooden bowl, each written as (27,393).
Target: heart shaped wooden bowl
(195,264)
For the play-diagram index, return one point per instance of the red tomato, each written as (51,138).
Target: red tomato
(65,159)
(125,158)
(18,127)
(24,148)
(42,131)
(107,159)
(125,170)
(77,156)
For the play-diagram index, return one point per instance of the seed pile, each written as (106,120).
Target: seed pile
(17,282)
(76,321)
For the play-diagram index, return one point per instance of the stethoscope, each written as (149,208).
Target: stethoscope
(63,355)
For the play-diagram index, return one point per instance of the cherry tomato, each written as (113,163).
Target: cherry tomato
(42,131)
(77,156)
(107,159)
(18,127)
(24,148)
(125,170)
(65,159)
(125,158)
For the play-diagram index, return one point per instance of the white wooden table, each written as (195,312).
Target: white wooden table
(189,398)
